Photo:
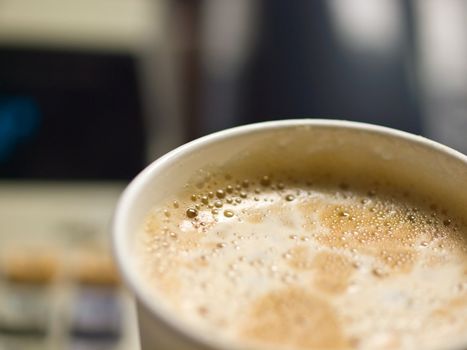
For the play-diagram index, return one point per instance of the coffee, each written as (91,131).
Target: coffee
(309,255)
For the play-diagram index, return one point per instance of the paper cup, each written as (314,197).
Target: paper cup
(421,161)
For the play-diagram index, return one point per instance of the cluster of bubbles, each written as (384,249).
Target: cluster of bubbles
(366,219)
(371,218)
(387,218)
(231,195)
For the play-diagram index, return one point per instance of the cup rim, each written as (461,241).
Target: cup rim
(123,208)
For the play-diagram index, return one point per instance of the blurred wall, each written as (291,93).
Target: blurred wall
(397,63)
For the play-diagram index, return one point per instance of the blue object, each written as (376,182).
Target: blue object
(19,121)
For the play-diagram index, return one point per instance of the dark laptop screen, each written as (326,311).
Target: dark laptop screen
(69,115)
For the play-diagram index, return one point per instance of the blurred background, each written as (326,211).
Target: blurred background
(93,90)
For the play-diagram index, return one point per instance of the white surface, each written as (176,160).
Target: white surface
(39,211)
(101,24)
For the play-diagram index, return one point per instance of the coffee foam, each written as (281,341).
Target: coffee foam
(261,253)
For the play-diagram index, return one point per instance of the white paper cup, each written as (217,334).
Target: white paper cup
(421,160)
